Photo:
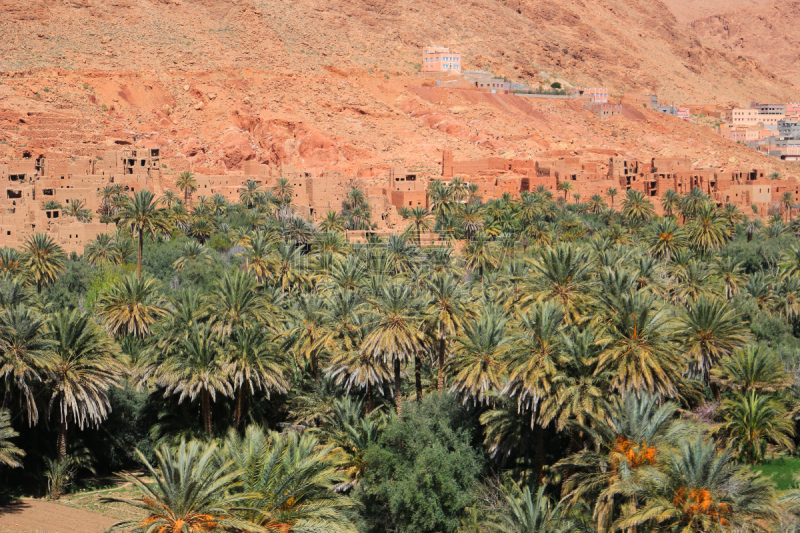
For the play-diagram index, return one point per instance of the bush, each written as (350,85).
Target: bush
(420,472)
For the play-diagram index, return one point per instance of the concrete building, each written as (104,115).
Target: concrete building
(597,95)
(439,59)
(486,80)
(684,113)
(789,129)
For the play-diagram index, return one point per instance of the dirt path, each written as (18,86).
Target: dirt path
(31,515)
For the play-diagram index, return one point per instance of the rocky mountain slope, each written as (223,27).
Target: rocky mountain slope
(217,82)
(766,32)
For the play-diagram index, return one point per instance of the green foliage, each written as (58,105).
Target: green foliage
(420,472)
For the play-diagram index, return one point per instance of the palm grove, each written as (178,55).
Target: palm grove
(547,366)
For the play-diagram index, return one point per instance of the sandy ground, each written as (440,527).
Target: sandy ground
(40,516)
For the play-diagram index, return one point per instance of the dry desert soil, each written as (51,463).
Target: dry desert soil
(29,514)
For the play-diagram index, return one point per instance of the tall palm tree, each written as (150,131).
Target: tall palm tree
(478,364)
(752,420)
(670,201)
(308,335)
(636,207)
(82,370)
(470,219)
(640,351)
(596,204)
(25,356)
(195,367)
(420,219)
(259,257)
(693,202)
(564,274)
(187,183)
(479,256)
(787,203)
(9,453)
(708,230)
(665,238)
(730,272)
(396,335)
(612,193)
(698,489)
(236,303)
(283,190)
(709,331)
(43,259)
(289,481)
(254,364)
(566,187)
(250,193)
(191,493)
(141,215)
(130,306)
(446,313)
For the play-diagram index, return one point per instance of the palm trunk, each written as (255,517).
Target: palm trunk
(398,395)
(139,259)
(237,414)
(440,380)
(62,441)
(538,451)
(370,406)
(418,376)
(205,405)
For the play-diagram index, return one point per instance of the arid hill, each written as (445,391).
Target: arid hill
(768,33)
(218,82)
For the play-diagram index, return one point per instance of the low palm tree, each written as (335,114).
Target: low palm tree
(250,193)
(787,203)
(420,219)
(596,204)
(752,420)
(698,489)
(332,222)
(82,369)
(752,368)
(670,202)
(130,306)
(141,215)
(43,259)
(11,261)
(102,250)
(283,190)
(528,512)
(9,453)
(191,251)
(288,481)
(666,238)
(708,231)
(187,183)
(636,207)
(191,492)
(730,272)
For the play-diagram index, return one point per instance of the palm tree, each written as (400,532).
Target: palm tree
(195,367)
(283,190)
(636,207)
(130,306)
(9,454)
(254,364)
(258,256)
(752,368)
(102,250)
(640,348)
(446,312)
(478,364)
(201,228)
(564,274)
(752,420)
(709,331)
(787,203)
(191,251)
(332,222)
(470,219)
(730,272)
(564,186)
(190,493)
(250,193)
(596,204)
(666,238)
(527,512)
(708,230)
(693,202)
(82,369)
(396,334)
(670,202)
(25,355)
(612,193)
(236,303)
(10,261)
(308,335)
(141,215)
(188,184)
(43,259)
(289,481)
(478,255)
(629,436)
(420,219)
(698,489)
